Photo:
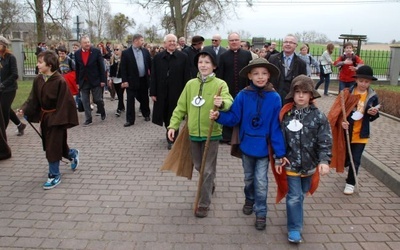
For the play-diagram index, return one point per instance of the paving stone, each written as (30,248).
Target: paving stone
(118,198)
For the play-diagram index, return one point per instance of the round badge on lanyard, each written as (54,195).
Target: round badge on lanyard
(357,116)
(198,101)
(294,125)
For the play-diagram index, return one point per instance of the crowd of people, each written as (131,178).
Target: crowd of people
(262,102)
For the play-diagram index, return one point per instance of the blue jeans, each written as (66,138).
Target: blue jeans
(54,167)
(298,186)
(343,85)
(256,182)
(322,78)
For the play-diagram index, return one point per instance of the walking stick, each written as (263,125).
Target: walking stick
(203,159)
(348,139)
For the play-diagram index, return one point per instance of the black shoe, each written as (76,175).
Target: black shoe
(169,145)
(260,223)
(118,113)
(201,212)
(128,124)
(21,129)
(147,118)
(87,123)
(248,207)
(103,116)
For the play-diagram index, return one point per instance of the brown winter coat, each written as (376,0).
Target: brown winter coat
(51,103)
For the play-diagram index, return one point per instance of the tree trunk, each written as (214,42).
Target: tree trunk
(40,27)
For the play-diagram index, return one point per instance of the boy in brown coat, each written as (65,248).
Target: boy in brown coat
(51,103)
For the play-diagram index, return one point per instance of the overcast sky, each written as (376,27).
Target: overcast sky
(378,19)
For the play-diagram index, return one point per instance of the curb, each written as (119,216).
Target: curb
(387,176)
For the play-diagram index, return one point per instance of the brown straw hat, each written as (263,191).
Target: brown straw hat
(260,62)
(303,83)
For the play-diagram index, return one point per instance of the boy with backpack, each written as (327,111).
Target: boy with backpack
(347,63)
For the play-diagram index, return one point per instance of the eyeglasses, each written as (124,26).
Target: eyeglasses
(116,49)
(214,40)
(289,42)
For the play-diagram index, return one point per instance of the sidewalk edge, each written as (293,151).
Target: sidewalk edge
(387,176)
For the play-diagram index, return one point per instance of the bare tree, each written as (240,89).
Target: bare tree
(152,35)
(187,16)
(95,12)
(118,26)
(10,13)
(37,7)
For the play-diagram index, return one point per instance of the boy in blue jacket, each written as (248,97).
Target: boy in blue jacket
(256,111)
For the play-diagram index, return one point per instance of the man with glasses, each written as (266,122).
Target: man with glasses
(215,49)
(230,63)
(289,65)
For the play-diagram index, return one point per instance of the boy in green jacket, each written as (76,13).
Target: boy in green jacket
(195,102)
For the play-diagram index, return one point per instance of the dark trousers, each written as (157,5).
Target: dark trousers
(227,133)
(6,100)
(14,118)
(120,94)
(97,93)
(143,97)
(130,105)
(356,149)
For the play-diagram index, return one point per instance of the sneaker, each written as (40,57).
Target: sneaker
(75,159)
(52,182)
(103,116)
(294,237)
(87,123)
(118,113)
(201,212)
(261,223)
(348,189)
(21,129)
(248,207)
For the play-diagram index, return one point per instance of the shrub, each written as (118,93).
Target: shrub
(390,101)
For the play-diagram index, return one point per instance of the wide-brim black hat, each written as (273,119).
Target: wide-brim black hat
(305,84)
(365,72)
(260,62)
(196,58)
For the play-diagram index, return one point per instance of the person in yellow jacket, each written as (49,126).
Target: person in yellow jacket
(195,102)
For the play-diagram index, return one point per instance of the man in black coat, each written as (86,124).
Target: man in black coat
(229,66)
(135,69)
(91,78)
(191,52)
(289,65)
(215,49)
(169,74)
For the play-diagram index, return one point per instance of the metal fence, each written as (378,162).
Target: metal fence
(378,60)
(30,61)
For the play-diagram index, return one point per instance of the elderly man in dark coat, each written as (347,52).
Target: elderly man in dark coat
(191,52)
(169,74)
(230,63)
(288,64)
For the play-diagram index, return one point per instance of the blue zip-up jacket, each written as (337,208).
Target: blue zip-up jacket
(256,111)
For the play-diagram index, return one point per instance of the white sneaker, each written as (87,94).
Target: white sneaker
(348,189)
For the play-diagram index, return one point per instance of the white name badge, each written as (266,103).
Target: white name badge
(294,125)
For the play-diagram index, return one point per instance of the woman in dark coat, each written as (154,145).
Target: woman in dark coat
(8,85)
(5,151)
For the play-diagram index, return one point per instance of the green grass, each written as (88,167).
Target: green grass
(24,88)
